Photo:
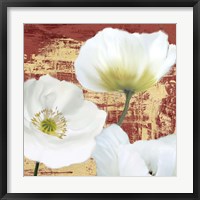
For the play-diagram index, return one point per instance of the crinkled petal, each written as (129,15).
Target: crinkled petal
(106,150)
(66,97)
(49,92)
(36,94)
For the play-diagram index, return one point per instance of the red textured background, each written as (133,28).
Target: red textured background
(37,36)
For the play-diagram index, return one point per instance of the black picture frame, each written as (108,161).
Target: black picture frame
(4,4)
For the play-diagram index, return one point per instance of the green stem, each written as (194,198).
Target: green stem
(36,168)
(128,94)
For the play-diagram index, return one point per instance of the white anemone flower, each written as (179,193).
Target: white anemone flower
(115,60)
(115,156)
(59,125)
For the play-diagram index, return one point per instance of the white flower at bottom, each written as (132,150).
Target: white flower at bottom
(115,156)
(59,125)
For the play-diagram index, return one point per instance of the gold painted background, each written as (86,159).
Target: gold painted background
(52,49)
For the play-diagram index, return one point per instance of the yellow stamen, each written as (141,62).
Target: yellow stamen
(50,122)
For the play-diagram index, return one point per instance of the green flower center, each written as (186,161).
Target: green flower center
(50,122)
(48,126)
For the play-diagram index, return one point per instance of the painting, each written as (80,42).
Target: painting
(99,99)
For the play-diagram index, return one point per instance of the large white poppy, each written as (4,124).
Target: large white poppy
(115,60)
(59,125)
(115,156)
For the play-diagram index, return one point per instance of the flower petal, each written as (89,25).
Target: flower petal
(162,56)
(106,151)
(32,94)
(32,148)
(166,162)
(131,163)
(83,117)
(61,156)
(67,156)
(156,44)
(159,155)
(66,97)
(35,94)
(169,61)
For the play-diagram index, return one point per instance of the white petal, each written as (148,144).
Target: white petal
(90,130)
(162,56)
(83,117)
(131,163)
(167,157)
(167,162)
(35,93)
(168,62)
(169,140)
(48,81)
(32,148)
(51,93)
(61,156)
(154,152)
(106,151)
(28,85)
(67,156)
(85,70)
(66,97)
(157,45)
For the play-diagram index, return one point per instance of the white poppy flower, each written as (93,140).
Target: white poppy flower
(59,125)
(115,156)
(115,60)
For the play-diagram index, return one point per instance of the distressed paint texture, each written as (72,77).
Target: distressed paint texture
(52,49)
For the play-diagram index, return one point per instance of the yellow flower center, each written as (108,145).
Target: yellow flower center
(50,122)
